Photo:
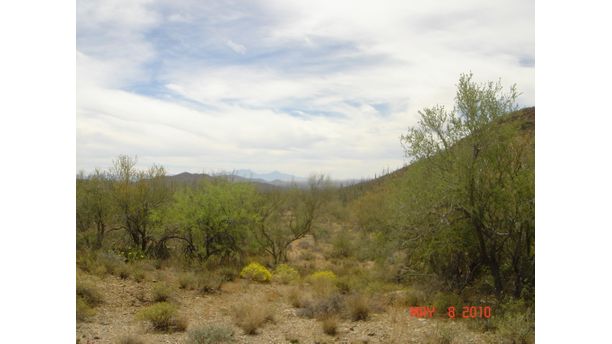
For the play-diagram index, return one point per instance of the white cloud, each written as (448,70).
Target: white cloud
(325,86)
(239,48)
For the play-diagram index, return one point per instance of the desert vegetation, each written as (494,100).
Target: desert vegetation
(223,260)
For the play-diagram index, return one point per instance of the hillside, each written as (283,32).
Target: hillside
(524,118)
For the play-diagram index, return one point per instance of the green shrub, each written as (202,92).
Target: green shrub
(256,272)
(444,300)
(89,293)
(83,310)
(210,334)
(342,245)
(162,292)
(285,274)
(133,254)
(163,317)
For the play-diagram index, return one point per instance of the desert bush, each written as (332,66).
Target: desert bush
(323,282)
(133,254)
(342,245)
(307,256)
(516,328)
(210,334)
(209,282)
(413,297)
(130,339)
(228,273)
(162,292)
(110,261)
(323,307)
(86,261)
(187,280)
(123,271)
(138,274)
(444,300)
(145,265)
(344,286)
(163,317)
(83,310)
(358,307)
(330,325)
(89,293)
(250,316)
(285,274)
(297,298)
(256,272)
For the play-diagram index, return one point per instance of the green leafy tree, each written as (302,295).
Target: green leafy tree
(288,215)
(477,179)
(94,204)
(138,194)
(213,218)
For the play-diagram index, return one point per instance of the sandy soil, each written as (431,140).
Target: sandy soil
(115,318)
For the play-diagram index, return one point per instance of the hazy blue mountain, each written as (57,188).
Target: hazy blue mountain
(269,177)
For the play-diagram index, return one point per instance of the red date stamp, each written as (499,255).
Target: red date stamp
(466,312)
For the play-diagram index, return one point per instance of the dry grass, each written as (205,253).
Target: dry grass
(443,333)
(139,275)
(209,282)
(83,310)
(123,271)
(358,307)
(250,315)
(89,293)
(330,325)
(323,307)
(187,280)
(130,339)
(297,298)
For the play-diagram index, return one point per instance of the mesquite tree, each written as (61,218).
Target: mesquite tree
(478,184)
(138,194)
(288,215)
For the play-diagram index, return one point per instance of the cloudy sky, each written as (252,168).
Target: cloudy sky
(295,86)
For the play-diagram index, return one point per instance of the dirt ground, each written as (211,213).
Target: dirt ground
(115,318)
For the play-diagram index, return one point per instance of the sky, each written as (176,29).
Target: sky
(300,87)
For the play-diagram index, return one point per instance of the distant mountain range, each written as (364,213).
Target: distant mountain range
(273,176)
(264,180)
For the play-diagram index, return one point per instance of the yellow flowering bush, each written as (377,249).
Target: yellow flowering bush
(256,272)
(323,282)
(285,274)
